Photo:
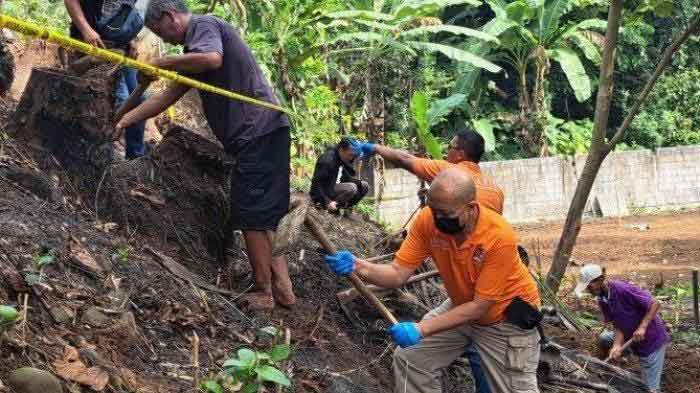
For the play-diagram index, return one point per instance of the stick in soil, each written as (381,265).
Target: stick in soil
(288,343)
(696,307)
(195,358)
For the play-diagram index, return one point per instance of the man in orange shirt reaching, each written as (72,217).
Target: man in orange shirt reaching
(494,300)
(464,152)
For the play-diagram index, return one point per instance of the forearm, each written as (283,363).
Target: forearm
(650,315)
(458,316)
(383,275)
(190,63)
(619,339)
(400,158)
(75,11)
(156,104)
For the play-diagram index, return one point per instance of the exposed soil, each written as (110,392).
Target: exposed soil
(681,369)
(670,245)
(662,255)
(105,294)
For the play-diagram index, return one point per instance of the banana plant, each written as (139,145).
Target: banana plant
(532,34)
(427,114)
(381,30)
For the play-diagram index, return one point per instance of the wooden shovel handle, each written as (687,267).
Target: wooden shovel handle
(330,248)
(624,348)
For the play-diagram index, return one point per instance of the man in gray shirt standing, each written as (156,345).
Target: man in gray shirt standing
(258,137)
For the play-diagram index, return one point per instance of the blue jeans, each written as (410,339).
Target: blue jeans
(481,385)
(652,366)
(133,136)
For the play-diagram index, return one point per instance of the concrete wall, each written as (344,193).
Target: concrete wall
(540,189)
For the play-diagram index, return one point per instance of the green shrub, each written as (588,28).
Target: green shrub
(671,115)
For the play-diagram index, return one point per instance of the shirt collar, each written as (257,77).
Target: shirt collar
(190,28)
(473,166)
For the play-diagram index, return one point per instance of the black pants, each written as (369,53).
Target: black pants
(260,182)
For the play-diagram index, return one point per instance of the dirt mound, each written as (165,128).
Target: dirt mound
(122,303)
(105,296)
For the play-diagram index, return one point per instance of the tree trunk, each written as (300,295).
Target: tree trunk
(597,153)
(7,65)
(525,108)
(373,108)
(540,113)
(599,148)
(70,117)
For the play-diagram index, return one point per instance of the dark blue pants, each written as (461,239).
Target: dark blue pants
(133,136)
(481,385)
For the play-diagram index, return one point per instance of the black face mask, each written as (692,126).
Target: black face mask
(448,225)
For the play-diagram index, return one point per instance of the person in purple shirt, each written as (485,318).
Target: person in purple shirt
(258,138)
(634,314)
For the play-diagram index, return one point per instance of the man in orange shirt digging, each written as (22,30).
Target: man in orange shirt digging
(494,300)
(464,152)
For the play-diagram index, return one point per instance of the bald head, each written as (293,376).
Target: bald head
(452,188)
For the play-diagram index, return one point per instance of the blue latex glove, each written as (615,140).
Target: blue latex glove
(362,149)
(342,262)
(405,334)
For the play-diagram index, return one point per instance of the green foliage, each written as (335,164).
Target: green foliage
(588,320)
(211,386)
(39,262)
(690,337)
(43,260)
(328,59)
(439,109)
(122,254)
(420,109)
(367,209)
(252,369)
(671,115)
(679,294)
(568,138)
(50,13)
(317,127)
(485,127)
(400,31)
(8,316)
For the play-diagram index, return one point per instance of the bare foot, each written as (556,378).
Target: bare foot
(283,292)
(258,301)
(281,283)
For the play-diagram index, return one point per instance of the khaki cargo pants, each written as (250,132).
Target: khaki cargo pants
(509,357)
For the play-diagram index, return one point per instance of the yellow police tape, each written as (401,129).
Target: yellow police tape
(36,31)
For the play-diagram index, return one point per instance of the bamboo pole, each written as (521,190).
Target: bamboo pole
(696,306)
(35,31)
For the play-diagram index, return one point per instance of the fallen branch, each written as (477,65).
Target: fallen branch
(195,358)
(183,273)
(603,387)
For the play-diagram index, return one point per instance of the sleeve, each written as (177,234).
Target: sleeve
(206,38)
(348,175)
(321,174)
(492,281)
(427,169)
(416,248)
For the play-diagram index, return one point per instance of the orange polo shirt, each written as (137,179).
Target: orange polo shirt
(486,266)
(488,193)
